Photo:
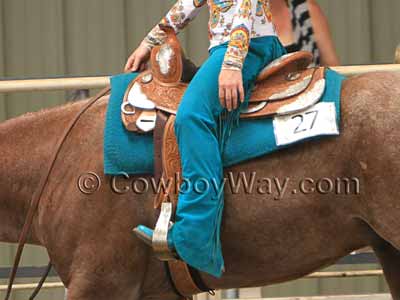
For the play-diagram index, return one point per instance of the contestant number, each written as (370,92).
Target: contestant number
(305,121)
(318,120)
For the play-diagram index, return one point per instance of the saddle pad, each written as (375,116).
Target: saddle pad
(131,153)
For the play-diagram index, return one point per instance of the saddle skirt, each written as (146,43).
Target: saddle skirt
(283,87)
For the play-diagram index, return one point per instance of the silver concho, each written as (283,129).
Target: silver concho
(293,76)
(164,57)
(147,78)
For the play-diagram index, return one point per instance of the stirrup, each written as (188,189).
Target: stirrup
(158,239)
(145,234)
(160,235)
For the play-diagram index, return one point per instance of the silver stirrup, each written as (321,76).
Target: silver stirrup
(160,234)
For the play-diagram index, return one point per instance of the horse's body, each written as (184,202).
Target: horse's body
(89,240)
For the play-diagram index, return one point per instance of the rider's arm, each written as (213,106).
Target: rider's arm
(178,17)
(240,34)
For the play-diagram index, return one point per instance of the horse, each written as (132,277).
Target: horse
(267,238)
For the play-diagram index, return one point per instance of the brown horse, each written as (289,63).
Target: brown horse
(265,241)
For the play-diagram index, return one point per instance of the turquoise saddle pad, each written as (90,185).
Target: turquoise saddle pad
(130,153)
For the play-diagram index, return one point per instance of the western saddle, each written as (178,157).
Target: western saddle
(285,86)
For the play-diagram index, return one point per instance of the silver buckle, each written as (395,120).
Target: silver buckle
(132,110)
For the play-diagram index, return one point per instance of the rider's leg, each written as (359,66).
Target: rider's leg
(196,230)
(195,234)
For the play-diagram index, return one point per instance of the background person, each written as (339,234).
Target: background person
(302,25)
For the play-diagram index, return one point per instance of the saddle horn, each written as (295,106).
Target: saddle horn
(166,59)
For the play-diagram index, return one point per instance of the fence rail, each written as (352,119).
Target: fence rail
(75,83)
(31,286)
(53,84)
(316,275)
(37,271)
(342,297)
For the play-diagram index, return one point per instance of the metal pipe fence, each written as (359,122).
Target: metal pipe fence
(86,83)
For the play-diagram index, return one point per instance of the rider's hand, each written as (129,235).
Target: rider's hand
(230,88)
(138,59)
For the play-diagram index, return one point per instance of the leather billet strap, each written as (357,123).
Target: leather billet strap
(42,184)
(158,136)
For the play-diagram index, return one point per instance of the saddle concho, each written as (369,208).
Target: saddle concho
(283,87)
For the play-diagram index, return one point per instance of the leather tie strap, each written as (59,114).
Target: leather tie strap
(38,194)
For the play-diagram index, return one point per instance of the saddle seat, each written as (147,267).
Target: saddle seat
(283,87)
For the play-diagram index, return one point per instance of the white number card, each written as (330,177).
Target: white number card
(317,120)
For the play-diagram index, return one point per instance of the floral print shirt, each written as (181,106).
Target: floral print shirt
(233,21)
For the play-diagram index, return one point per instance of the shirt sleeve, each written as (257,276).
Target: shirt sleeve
(242,26)
(178,17)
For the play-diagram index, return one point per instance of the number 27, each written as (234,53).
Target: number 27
(313,114)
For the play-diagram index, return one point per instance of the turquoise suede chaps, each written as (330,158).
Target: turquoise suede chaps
(202,126)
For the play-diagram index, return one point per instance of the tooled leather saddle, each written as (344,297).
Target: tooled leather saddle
(283,87)
(152,99)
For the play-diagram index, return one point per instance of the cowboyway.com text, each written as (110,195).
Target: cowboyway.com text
(235,183)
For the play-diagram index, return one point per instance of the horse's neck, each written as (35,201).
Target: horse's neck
(26,143)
